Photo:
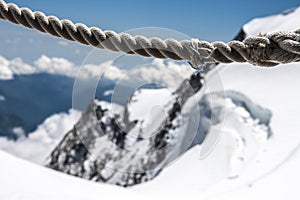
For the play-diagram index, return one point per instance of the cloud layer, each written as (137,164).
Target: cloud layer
(43,140)
(168,73)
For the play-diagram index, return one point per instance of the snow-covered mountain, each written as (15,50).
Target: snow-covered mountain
(127,148)
(99,149)
(271,174)
(287,21)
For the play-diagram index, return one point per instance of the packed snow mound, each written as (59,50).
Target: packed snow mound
(21,180)
(287,21)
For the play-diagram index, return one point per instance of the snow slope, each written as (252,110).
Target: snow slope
(138,110)
(287,21)
(245,134)
(21,180)
(274,172)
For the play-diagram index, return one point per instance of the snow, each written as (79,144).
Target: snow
(42,141)
(24,181)
(155,101)
(282,183)
(272,172)
(275,89)
(241,141)
(288,22)
(115,109)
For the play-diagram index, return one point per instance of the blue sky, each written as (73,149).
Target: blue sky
(209,20)
(204,19)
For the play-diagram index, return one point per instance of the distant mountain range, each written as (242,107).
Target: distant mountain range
(29,99)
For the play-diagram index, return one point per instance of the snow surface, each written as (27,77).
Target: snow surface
(281,22)
(243,139)
(150,103)
(21,180)
(267,170)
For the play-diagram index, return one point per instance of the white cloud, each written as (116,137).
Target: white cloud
(17,66)
(55,66)
(5,72)
(42,141)
(14,66)
(168,73)
(2,98)
(19,132)
(3,61)
(95,71)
